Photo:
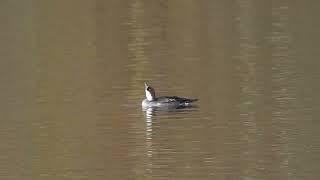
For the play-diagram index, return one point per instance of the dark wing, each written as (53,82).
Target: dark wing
(169,99)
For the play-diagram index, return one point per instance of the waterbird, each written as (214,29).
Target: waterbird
(152,101)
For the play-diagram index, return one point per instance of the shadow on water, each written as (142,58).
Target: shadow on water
(166,111)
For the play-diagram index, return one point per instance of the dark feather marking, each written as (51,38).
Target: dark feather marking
(168,99)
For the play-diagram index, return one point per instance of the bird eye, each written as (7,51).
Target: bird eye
(148,88)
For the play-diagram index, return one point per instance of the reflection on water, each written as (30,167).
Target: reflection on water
(149,139)
(72,84)
(150,116)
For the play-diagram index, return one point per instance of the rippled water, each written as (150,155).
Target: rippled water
(72,81)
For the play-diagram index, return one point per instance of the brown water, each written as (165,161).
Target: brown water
(72,75)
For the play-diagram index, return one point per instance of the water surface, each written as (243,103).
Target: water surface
(72,81)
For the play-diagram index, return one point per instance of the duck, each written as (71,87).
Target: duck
(152,101)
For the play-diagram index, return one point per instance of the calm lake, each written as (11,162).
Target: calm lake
(72,79)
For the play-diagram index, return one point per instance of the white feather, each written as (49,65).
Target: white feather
(149,96)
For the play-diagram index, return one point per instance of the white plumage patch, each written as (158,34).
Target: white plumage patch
(149,96)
